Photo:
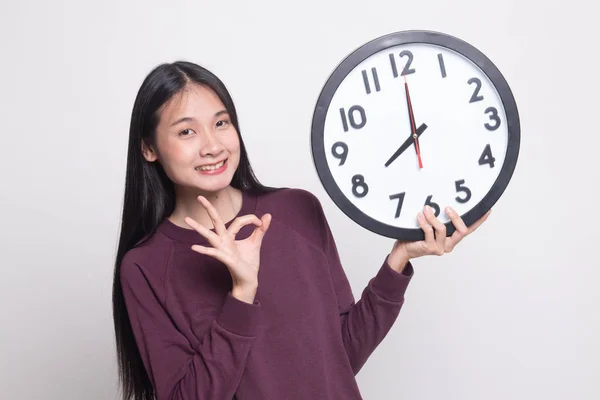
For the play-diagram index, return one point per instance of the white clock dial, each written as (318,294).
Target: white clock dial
(368,118)
(424,84)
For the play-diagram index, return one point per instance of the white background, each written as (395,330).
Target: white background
(512,314)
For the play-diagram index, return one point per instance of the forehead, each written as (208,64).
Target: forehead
(194,100)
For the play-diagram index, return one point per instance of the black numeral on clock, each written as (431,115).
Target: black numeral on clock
(375,80)
(487,157)
(352,112)
(493,117)
(340,151)
(406,70)
(475,96)
(461,188)
(442,65)
(400,198)
(393,64)
(359,187)
(435,206)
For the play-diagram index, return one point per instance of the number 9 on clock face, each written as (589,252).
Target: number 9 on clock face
(411,119)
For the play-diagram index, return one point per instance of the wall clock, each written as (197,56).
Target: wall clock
(414,118)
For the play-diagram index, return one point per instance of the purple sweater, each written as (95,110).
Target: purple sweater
(303,338)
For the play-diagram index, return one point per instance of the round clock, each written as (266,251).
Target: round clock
(410,119)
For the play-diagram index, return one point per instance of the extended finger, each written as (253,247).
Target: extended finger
(209,235)
(461,229)
(440,229)
(214,215)
(242,221)
(427,229)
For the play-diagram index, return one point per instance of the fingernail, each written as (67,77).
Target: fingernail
(429,209)
(420,216)
(449,210)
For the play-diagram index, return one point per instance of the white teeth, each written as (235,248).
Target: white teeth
(210,167)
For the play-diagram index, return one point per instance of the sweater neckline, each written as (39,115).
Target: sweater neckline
(188,235)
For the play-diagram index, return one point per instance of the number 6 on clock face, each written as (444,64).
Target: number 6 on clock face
(408,96)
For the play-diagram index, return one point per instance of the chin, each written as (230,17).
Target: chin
(213,183)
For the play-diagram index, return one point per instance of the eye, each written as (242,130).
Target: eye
(222,123)
(186,132)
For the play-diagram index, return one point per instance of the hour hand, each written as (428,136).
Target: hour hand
(407,143)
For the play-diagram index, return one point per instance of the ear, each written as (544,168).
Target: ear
(149,153)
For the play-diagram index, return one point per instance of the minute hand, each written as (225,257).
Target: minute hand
(407,143)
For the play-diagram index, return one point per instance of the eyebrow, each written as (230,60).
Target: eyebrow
(188,119)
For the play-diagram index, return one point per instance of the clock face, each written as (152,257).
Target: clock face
(429,85)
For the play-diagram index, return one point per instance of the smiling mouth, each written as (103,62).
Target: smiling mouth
(210,167)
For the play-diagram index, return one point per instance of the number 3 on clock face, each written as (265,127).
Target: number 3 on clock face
(406,95)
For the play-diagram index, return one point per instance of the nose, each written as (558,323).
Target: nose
(211,145)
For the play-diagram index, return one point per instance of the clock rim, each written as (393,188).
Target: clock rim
(401,38)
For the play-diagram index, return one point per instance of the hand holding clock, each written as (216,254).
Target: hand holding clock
(436,242)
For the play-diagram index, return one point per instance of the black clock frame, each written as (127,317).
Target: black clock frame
(375,46)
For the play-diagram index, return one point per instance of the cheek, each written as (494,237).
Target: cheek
(175,155)
(232,142)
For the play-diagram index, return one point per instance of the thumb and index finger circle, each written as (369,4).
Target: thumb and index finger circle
(242,221)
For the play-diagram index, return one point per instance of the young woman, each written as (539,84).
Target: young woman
(225,288)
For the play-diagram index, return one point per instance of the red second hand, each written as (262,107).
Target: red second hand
(418,152)
(412,123)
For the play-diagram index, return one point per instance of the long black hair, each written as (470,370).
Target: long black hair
(150,197)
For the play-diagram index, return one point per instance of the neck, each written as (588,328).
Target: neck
(227,202)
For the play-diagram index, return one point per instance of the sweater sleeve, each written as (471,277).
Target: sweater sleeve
(177,369)
(365,323)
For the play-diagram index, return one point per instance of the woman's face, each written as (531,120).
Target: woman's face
(195,141)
